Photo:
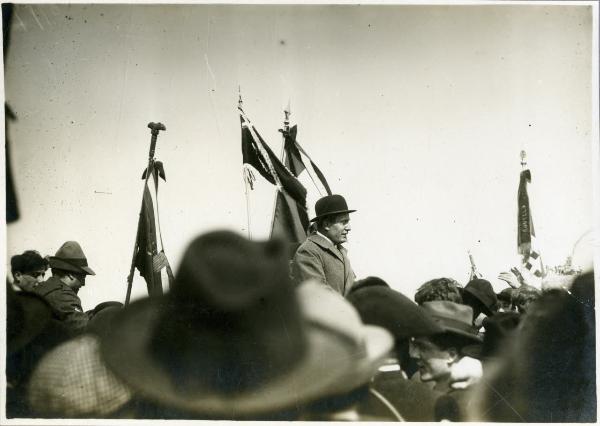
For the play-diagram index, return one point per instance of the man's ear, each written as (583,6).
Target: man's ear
(17,276)
(453,355)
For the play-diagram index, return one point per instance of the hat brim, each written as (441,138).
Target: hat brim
(328,359)
(57,263)
(331,213)
(462,333)
(378,342)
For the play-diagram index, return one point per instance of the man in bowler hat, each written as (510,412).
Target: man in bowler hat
(321,256)
(69,269)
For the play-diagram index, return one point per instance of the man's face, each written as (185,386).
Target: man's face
(337,228)
(434,362)
(28,280)
(76,282)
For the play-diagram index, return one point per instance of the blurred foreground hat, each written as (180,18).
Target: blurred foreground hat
(70,257)
(372,343)
(26,317)
(73,381)
(483,291)
(330,204)
(453,318)
(390,309)
(229,340)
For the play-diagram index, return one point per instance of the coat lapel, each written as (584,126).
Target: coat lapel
(327,245)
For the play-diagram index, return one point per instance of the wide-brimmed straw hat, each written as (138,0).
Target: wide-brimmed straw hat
(453,318)
(329,205)
(230,339)
(70,257)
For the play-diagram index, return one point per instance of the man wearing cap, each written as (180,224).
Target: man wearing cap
(69,268)
(321,256)
(437,354)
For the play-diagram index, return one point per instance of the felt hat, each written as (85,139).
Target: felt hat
(330,204)
(390,309)
(70,257)
(373,344)
(229,340)
(483,291)
(27,315)
(453,318)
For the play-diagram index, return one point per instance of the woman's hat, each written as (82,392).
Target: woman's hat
(70,257)
(453,318)
(230,339)
(330,204)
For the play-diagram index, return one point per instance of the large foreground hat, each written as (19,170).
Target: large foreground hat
(373,343)
(382,306)
(330,204)
(70,257)
(230,339)
(453,317)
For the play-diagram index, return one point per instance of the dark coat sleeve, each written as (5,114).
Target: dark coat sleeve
(67,308)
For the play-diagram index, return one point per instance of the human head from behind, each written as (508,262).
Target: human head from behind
(70,265)
(506,300)
(28,269)
(436,354)
(332,218)
(549,373)
(439,289)
(524,296)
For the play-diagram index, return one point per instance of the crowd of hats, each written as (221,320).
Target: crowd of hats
(234,338)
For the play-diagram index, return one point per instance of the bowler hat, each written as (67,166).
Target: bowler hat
(70,257)
(330,204)
(229,340)
(453,318)
(390,309)
(483,291)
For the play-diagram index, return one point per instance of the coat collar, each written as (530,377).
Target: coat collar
(326,244)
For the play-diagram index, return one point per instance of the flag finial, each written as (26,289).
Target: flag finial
(523,158)
(240,102)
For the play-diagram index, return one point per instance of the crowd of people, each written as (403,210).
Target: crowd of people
(243,334)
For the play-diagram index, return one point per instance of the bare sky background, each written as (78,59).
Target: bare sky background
(416,114)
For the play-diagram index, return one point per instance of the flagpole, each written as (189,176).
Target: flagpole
(284,132)
(246,175)
(155,128)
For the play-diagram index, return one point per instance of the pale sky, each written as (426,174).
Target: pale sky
(416,114)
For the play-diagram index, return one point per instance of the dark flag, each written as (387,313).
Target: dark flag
(257,153)
(149,260)
(532,259)
(289,220)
